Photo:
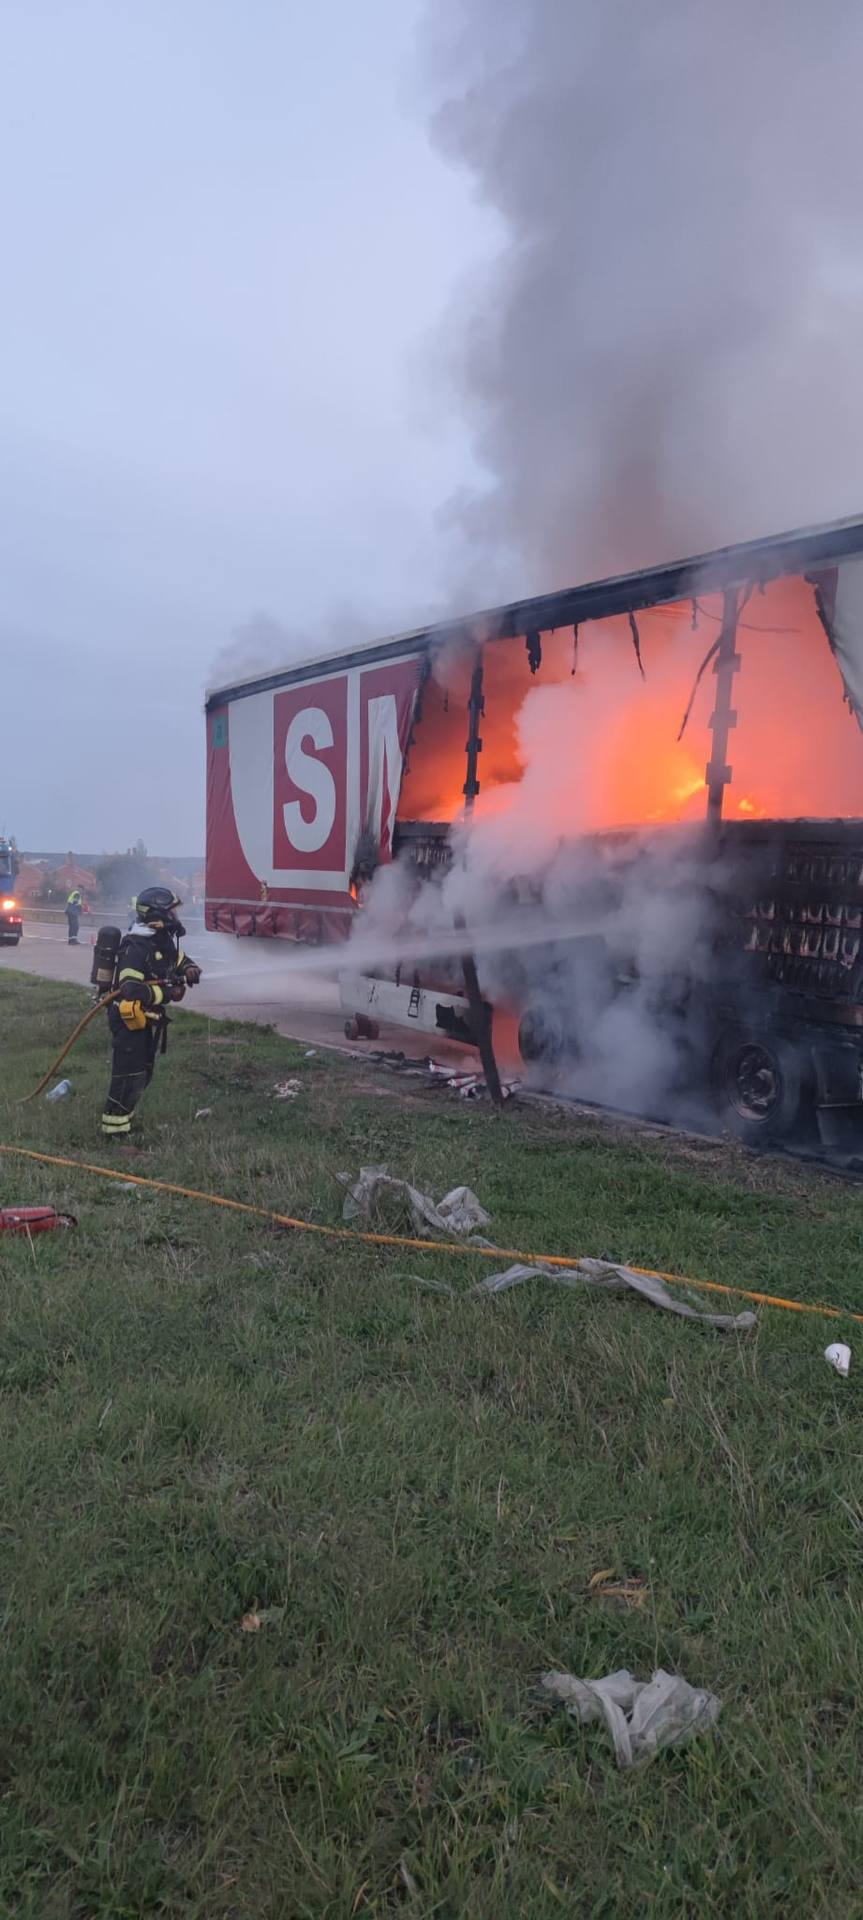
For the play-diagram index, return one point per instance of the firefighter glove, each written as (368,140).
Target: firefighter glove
(191,974)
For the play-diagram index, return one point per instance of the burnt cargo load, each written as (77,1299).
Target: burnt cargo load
(713,705)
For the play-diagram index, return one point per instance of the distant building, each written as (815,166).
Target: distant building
(32,875)
(70,875)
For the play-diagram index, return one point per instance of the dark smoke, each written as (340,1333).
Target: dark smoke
(665,356)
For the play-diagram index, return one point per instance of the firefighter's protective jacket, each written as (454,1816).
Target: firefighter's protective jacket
(150,962)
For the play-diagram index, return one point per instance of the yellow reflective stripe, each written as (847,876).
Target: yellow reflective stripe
(156,990)
(131,973)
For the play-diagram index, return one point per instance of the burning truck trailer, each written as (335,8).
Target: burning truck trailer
(638,803)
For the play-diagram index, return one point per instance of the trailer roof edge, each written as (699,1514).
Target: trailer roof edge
(759,560)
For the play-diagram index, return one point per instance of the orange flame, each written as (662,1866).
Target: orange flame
(601,746)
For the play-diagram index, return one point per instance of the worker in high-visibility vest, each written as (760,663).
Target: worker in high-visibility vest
(72,910)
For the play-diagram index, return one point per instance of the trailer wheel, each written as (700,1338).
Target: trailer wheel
(541,1035)
(757,1079)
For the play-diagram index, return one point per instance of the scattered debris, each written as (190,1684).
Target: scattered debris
(468,1085)
(623,1593)
(613,1279)
(287,1089)
(310,1053)
(839,1356)
(267,1617)
(33,1219)
(60,1091)
(458,1214)
(203,1113)
(129,1186)
(642,1716)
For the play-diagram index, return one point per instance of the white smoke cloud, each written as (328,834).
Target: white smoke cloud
(264,644)
(665,356)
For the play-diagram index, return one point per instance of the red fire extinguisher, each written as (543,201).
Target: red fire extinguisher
(33,1219)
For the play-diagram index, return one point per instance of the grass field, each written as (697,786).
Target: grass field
(202,1416)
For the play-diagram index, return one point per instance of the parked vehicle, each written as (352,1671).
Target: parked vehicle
(320,775)
(11,922)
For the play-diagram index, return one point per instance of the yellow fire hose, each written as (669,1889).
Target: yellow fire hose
(70,1043)
(417,1246)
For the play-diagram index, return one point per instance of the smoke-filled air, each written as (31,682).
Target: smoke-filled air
(665,353)
(662,359)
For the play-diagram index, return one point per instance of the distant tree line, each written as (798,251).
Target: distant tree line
(119,877)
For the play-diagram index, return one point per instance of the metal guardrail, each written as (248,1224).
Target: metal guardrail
(100,916)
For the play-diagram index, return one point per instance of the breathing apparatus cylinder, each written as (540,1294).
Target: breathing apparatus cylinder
(105,959)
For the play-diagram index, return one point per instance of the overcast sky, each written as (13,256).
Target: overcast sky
(227,241)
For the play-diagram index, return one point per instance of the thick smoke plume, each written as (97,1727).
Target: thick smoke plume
(666,355)
(663,359)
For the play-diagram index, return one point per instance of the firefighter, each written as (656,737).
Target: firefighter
(154,970)
(72,911)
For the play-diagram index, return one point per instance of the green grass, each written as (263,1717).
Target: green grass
(200,1416)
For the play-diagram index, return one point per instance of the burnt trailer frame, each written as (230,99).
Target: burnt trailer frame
(732,571)
(751,563)
(824,1024)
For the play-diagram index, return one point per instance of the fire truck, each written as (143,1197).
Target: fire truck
(716,701)
(11,923)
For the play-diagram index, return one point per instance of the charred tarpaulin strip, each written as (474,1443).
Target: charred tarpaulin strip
(416,716)
(636,641)
(575,648)
(533,643)
(824,585)
(696,684)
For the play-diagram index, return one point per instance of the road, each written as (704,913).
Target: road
(263,980)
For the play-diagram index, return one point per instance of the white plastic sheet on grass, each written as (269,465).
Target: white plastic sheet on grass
(457,1217)
(642,1716)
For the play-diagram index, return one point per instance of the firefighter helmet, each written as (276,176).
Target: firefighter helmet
(157,906)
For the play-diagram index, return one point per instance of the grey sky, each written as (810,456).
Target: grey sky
(226,242)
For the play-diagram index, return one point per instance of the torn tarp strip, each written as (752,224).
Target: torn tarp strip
(458,1215)
(608,1278)
(695,686)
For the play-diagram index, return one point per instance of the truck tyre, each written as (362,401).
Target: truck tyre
(541,1035)
(758,1083)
